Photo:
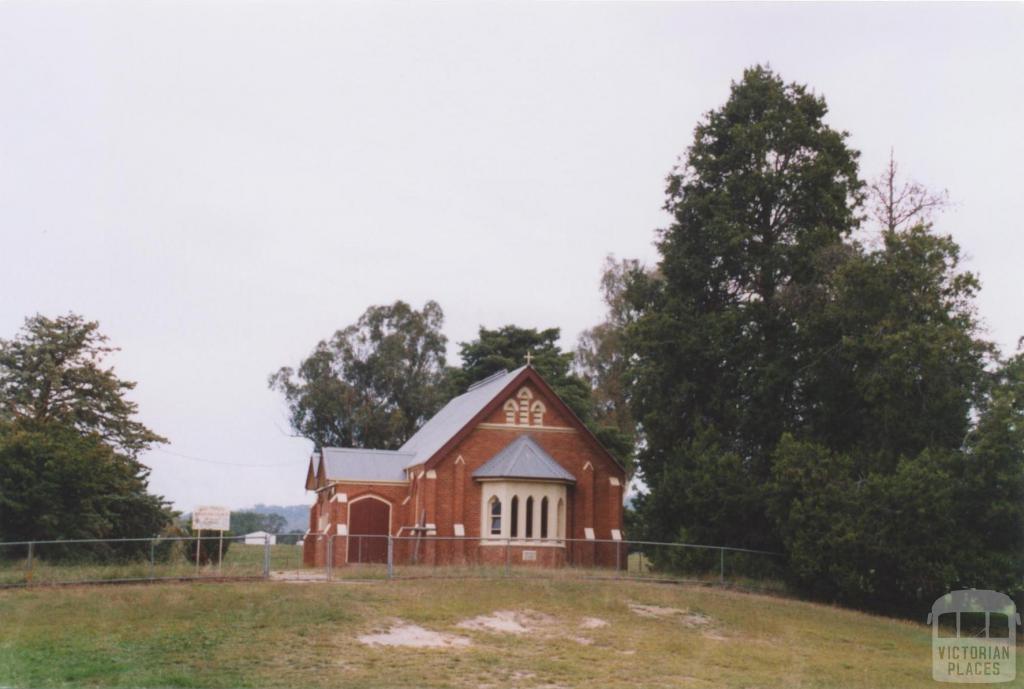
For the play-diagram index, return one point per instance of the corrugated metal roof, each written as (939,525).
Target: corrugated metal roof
(356,464)
(454,416)
(524,458)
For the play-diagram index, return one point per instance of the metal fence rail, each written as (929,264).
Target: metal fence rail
(370,557)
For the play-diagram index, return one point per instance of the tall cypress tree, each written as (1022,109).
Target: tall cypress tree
(761,203)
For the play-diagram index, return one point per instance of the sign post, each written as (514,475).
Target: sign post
(211,519)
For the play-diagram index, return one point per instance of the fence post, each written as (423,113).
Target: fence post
(152,559)
(391,558)
(330,558)
(721,566)
(618,559)
(31,559)
(266,556)
(508,555)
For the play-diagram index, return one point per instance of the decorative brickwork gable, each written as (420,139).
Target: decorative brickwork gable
(437,493)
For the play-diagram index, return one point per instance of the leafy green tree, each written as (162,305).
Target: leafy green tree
(53,372)
(601,360)
(892,360)
(600,357)
(68,439)
(894,538)
(766,190)
(990,492)
(885,540)
(373,383)
(57,483)
(243,522)
(506,348)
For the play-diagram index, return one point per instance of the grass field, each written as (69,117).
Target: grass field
(239,561)
(267,634)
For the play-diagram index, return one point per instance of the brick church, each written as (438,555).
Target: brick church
(505,472)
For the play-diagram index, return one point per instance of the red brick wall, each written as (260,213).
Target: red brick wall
(455,497)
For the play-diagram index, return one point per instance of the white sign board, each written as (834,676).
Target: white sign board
(212,518)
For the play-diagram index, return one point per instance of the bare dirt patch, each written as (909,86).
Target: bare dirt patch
(297,576)
(508,622)
(686,617)
(413,636)
(593,623)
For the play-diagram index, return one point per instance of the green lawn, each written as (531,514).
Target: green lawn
(270,634)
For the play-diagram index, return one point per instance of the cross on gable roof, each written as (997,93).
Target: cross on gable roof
(443,431)
(489,396)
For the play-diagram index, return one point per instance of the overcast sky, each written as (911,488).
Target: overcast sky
(221,185)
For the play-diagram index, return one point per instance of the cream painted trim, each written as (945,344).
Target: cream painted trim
(506,491)
(460,530)
(588,533)
(525,427)
(588,465)
(340,497)
(406,501)
(460,460)
(343,529)
(616,535)
(431,474)
(521,543)
(614,481)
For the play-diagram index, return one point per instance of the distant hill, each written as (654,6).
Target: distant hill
(296,515)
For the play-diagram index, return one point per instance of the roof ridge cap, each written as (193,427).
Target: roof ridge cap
(368,449)
(488,379)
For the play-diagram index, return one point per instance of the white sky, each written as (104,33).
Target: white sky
(222,185)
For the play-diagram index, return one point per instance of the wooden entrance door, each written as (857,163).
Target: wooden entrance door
(368,521)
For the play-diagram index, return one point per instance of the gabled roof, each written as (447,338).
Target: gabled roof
(454,416)
(442,432)
(356,464)
(496,387)
(523,458)
(314,464)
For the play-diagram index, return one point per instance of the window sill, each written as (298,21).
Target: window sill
(521,543)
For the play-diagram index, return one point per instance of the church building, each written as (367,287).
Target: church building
(504,473)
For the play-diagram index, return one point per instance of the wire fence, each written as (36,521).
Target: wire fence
(324,557)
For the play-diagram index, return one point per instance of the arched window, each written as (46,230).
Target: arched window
(495,516)
(514,517)
(529,517)
(537,410)
(560,520)
(510,412)
(544,517)
(524,396)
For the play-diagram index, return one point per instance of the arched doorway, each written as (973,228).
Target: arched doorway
(369,520)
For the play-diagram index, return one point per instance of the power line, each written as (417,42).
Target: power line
(221,462)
